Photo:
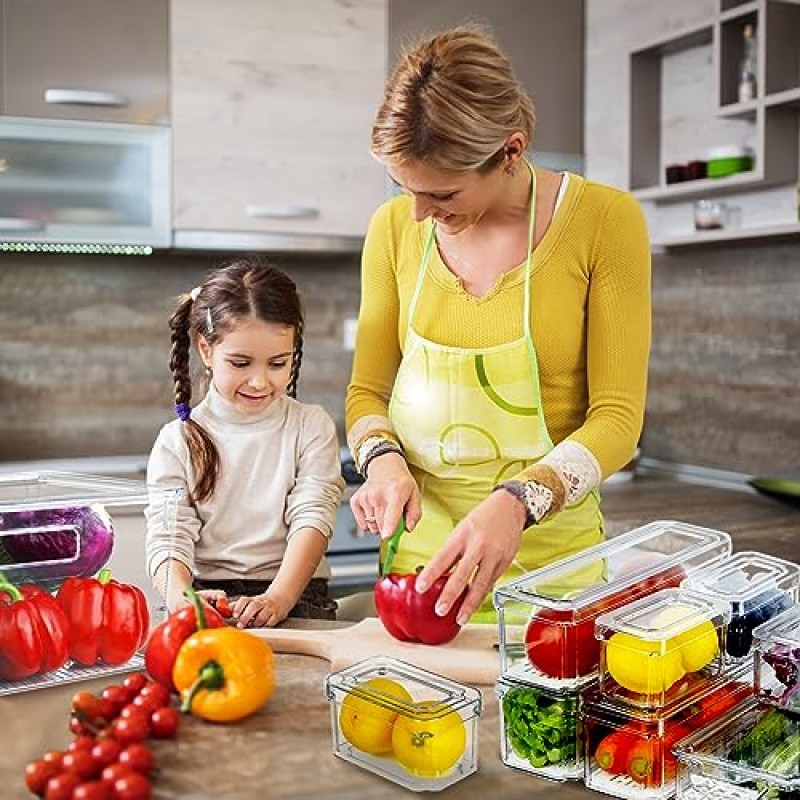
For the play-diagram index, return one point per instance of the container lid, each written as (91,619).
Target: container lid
(686,693)
(746,580)
(782,630)
(32,491)
(663,615)
(716,750)
(431,696)
(648,553)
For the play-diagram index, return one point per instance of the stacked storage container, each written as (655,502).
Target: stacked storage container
(672,663)
(754,751)
(70,606)
(549,655)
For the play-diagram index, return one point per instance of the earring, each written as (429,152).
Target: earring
(510,168)
(208,372)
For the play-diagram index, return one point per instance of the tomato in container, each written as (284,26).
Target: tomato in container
(547,617)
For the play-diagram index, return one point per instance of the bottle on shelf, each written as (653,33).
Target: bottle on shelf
(747,74)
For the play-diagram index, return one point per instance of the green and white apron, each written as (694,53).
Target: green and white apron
(469,419)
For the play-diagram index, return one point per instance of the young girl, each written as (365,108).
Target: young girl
(261,470)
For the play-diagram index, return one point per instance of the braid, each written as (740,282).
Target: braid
(203,454)
(297,358)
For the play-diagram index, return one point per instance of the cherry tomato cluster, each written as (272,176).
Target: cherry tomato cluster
(108,758)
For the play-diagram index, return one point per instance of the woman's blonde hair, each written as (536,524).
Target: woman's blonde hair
(451,102)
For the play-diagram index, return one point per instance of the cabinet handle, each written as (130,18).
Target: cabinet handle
(84,97)
(281,212)
(20,225)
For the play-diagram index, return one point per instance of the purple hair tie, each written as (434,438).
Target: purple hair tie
(183,410)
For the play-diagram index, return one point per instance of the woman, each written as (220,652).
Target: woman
(504,332)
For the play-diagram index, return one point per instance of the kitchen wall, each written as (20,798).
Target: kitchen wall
(724,386)
(85,346)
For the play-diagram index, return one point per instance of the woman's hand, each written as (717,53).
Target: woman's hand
(480,547)
(261,611)
(389,493)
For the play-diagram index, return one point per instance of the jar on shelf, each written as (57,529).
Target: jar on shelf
(709,215)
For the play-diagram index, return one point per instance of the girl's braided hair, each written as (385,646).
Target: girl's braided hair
(245,287)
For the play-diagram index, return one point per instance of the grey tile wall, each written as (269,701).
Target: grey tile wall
(84,346)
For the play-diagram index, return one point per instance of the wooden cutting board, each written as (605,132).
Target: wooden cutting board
(471,657)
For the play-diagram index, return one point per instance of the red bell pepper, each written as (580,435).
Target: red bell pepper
(109,620)
(34,632)
(166,639)
(410,616)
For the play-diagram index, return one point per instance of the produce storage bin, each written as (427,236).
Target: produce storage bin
(753,753)
(647,646)
(541,730)
(404,723)
(57,531)
(628,751)
(757,588)
(546,618)
(777,662)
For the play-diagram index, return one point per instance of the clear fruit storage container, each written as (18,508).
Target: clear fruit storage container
(753,753)
(546,618)
(629,751)
(67,540)
(541,730)
(757,587)
(404,723)
(646,647)
(777,661)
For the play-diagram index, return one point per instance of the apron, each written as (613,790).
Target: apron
(468,420)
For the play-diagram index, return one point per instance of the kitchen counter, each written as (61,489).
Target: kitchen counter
(285,751)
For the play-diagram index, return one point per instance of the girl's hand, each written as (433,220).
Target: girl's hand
(480,548)
(261,611)
(389,493)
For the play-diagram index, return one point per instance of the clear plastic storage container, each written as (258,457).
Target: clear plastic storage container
(755,585)
(541,730)
(546,618)
(628,751)
(777,664)
(753,753)
(646,647)
(72,561)
(404,723)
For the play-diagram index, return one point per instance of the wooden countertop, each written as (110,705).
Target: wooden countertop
(285,751)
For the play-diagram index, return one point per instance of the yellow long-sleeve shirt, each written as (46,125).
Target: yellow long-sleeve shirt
(590,315)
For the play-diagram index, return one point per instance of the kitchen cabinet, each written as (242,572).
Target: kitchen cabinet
(768,124)
(272,107)
(100,60)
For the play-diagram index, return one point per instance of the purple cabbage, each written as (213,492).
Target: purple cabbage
(61,542)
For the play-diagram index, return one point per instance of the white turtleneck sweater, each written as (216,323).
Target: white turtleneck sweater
(280,472)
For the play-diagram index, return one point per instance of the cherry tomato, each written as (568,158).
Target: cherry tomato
(106,751)
(53,757)
(81,742)
(164,723)
(78,728)
(84,703)
(38,773)
(135,682)
(134,711)
(94,790)
(223,606)
(158,693)
(118,695)
(81,763)
(61,786)
(139,757)
(114,771)
(132,787)
(128,730)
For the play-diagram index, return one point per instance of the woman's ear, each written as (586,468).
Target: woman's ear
(515,147)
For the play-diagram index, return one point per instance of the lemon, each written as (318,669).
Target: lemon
(643,666)
(431,742)
(698,645)
(365,722)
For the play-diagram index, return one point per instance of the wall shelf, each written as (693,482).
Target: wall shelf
(768,123)
(766,233)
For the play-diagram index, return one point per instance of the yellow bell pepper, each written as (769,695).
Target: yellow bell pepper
(224,674)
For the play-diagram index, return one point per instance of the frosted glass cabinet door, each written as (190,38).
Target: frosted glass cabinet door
(70,182)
